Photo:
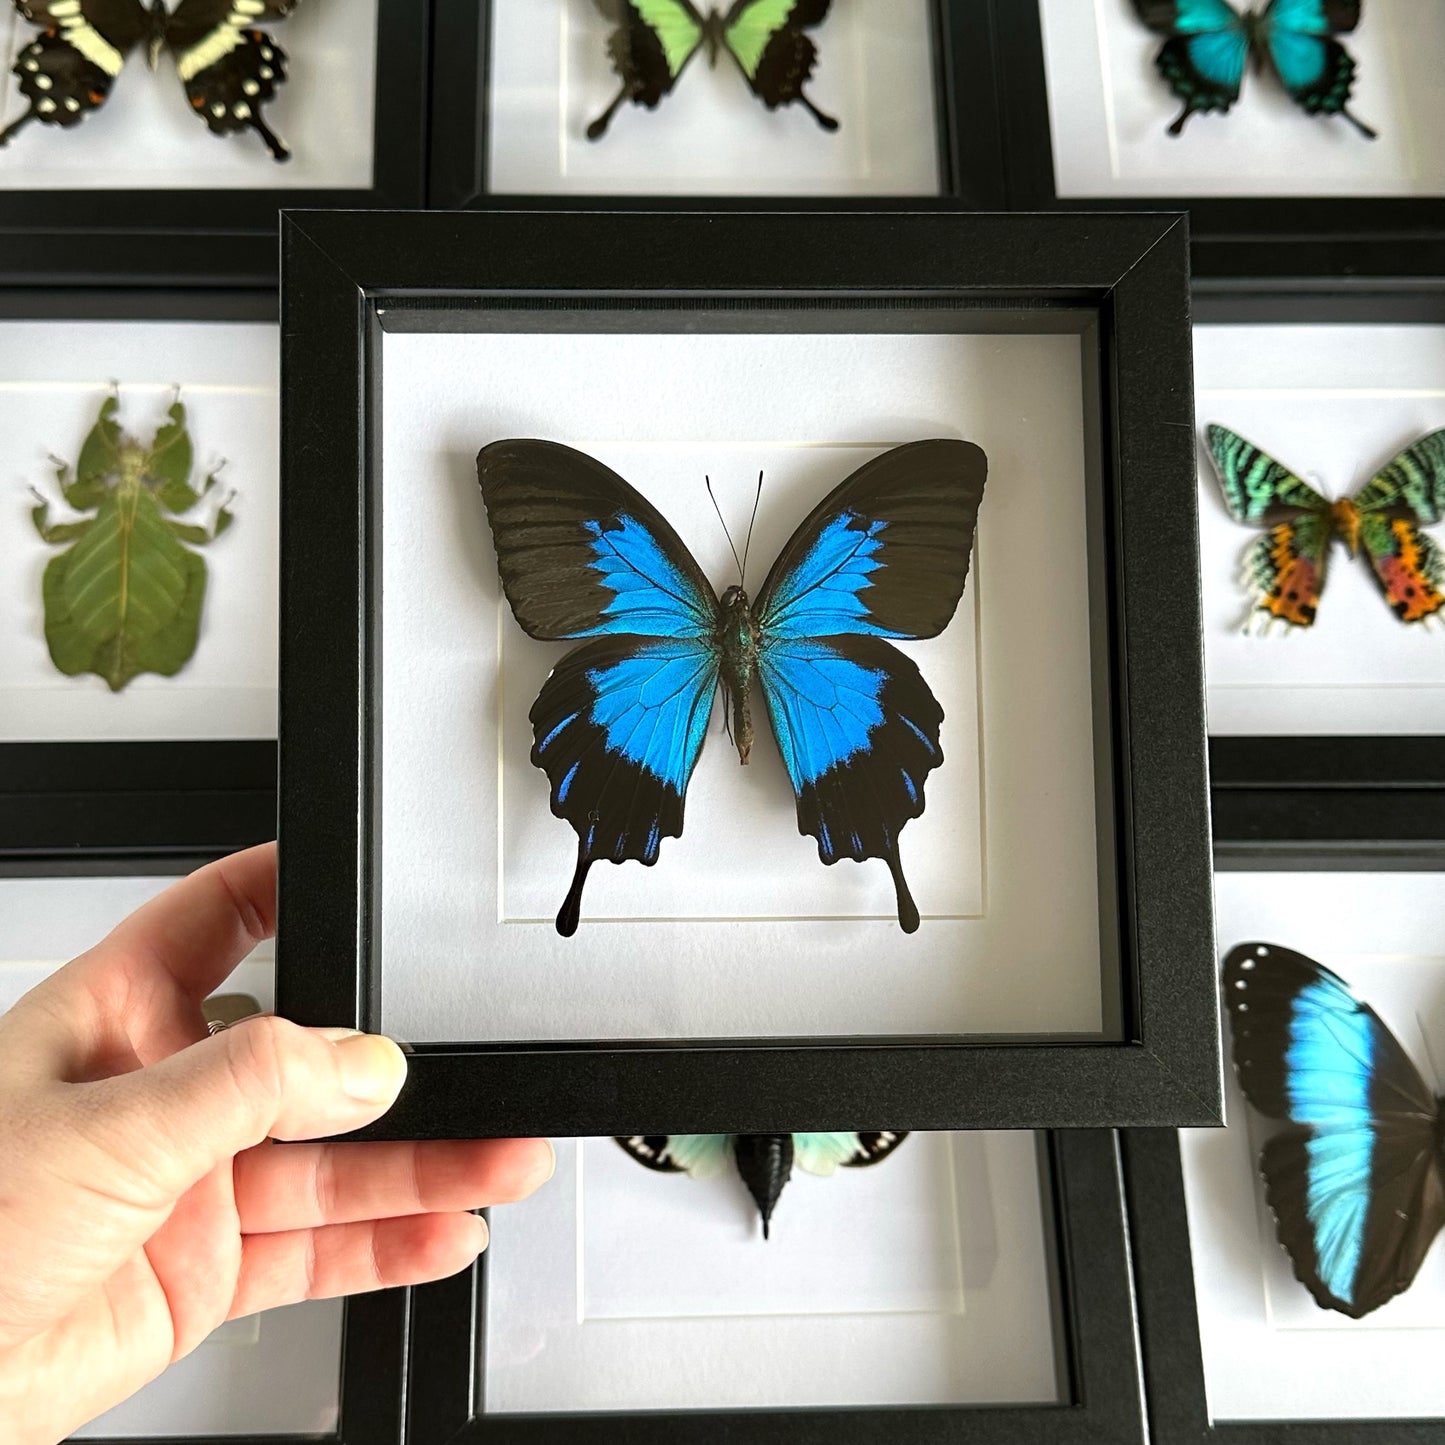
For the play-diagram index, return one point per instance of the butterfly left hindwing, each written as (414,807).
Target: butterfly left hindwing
(1355,1181)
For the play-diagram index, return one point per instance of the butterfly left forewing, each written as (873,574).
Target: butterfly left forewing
(67,71)
(1355,1181)
(230,69)
(766,38)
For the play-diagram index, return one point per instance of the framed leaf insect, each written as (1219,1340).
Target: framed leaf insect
(228,67)
(125,597)
(621,721)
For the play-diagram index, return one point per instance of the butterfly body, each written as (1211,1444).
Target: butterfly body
(1356,1179)
(1209,45)
(229,68)
(654,41)
(1285,569)
(620,723)
(764,1161)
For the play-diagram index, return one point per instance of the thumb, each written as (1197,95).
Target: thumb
(176,1120)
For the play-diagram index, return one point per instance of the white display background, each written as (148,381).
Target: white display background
(274,1373)
(146,137)
(551,76)
(53,378)
(738,930)
(1334,404)
(1269,1351)
(1110,109)
(921,1280)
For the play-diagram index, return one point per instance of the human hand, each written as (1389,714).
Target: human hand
(141,1200)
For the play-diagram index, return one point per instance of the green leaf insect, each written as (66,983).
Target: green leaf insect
(126,597)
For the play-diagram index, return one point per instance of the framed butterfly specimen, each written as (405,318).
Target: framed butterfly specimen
(764,1161)
(125,597)
(229,68)
(1357,1180)
(620,723)
(1285,569)
(1210,45)
(654,40)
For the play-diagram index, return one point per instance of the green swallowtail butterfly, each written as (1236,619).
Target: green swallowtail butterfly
(655,39)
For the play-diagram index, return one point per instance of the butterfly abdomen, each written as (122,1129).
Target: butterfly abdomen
(765,1162)
(738,637)
(1345,519)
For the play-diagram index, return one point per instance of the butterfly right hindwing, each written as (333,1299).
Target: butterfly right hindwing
(1355,1180)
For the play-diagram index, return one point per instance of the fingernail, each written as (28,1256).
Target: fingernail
(552,1157)
(372,1067)
(484,1234)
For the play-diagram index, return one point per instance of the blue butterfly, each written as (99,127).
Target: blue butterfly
(765,1161)
(1210,43)
(620,722)
(1357,1180)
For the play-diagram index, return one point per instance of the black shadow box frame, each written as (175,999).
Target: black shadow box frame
(1121,283)
(227,237)
(97,807)
(970,158)
(1327,802)
(1098,1351)
(1323,243)
(1169,1322)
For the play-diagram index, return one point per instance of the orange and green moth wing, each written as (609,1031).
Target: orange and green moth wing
(1406,494)
(1407,563)
(1284,570)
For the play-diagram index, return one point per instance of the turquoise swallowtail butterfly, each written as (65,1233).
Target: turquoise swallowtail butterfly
(1357,1178)
(619,724)
(1210,44)
(655,39)
(765,1161)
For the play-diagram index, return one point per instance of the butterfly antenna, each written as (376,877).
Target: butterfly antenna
(747,546)
(726,533)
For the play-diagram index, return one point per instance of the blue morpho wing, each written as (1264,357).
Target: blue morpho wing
(620,722)
(1355,1179)
(884,555)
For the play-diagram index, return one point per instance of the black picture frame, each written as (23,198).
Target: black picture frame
(1169,1322)
(221,238)
(346,278)
(1324,244)
(1328,801)
(110,806)
(969,135)
(1098,1351)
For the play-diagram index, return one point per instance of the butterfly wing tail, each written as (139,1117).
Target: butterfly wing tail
(618,727)
(857,727)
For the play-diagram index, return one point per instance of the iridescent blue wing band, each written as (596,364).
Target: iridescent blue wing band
(581,553)
(618,728)
(1355,1183)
